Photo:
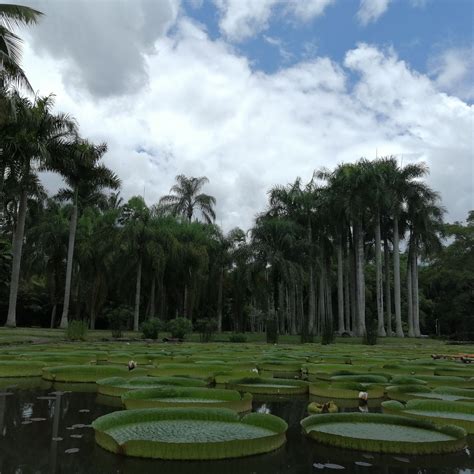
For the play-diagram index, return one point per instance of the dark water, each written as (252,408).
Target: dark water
(36,434)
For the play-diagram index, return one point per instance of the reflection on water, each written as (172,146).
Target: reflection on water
(44,431)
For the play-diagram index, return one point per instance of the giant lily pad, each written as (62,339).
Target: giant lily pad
(115,386)
(166,397)
(268,386)
(345,390)
(188,433)
(409,392)
(17,368)
(383,433)
(441,412)
(86,373)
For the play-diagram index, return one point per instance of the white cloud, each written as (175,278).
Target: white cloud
(453,71)
(242,19)
(206,112)
(371,10)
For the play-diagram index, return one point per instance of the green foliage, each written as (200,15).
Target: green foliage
(151,327)
(206,329)
(179,327)
(237,337)
(119,318)
(77,330)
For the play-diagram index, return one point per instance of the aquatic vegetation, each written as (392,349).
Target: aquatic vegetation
(165,397)
(16,368)
(441,412)
(408,392)
(383,433)
(268,385)
(115,386)
(86,373)
(328,407)
(189,433)
(349,390)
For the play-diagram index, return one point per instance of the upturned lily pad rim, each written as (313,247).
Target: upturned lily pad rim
(457,443)
(190,450)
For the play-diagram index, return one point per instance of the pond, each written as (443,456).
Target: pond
(48,431)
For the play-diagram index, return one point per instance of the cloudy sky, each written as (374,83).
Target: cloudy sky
(253,93)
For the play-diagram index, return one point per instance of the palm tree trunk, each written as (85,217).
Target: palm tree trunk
(360,280)
(347,308)
(293,292)
(340,289)
(416,299)
(396,278)
(281,308)
(219,299)
(388,292)
(136,312)
(411,333)
(185,301)
(311,301)
(152,297)
(378,278)
(353,285)
(322,300)
(16,261)
(70,257)
(53,315)
(329,313)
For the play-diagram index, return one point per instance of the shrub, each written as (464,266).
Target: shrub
(151,328)
(237,337)
(179,327)
(272,329)
(206,328)
(118,318)
(77,330)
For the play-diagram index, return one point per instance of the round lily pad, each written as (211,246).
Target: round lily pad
(166,397)
(115,386)
(383,433)
(349,390)
(188,433)
(17,368)
(86,373)
(268,385)
(441,412)
(409,392)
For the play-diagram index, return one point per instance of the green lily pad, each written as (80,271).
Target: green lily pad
(166,397)
(383,433)
(270,386)
(87,373)
(188,433)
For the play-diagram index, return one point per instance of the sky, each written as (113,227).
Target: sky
(254,93)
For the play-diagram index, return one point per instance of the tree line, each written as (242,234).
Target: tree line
(360,249)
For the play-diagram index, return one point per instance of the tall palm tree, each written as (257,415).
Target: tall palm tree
(12,16)
(86,177)
(31,138)
(186,198)
(398,181)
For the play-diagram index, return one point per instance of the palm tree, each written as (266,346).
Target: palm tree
(32,137)
(398,182)
(10,44)
(186,198)
(86,177)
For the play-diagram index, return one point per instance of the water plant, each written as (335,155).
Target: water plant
(189,433)
(383,433)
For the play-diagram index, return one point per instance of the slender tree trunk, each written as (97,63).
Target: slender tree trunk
(185,301)
(360,280)
(416,299)
(347,309)
(311,301)
(152,297)
(70,259)
(353,284)
(300,309)
(281,307)
(329,313)
(293,296)
(340,289)
(388,291)
(219,299)
(411,333)
(396,278)
(378,278)
(92,316)
(53,315)
(136,312)
(16,261)
(322,299)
